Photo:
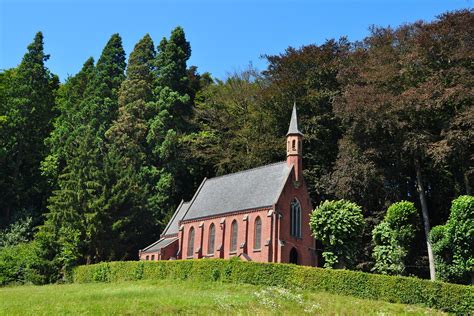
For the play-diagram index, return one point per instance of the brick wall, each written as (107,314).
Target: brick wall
(222,243)
(166,253)
(304,245)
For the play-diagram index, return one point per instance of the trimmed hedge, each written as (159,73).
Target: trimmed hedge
(443,296)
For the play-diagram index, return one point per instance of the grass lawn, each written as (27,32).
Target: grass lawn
(185,297)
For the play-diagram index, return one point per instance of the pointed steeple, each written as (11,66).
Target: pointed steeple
(293,129)
(294,146)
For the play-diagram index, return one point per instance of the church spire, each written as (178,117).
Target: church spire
(293,129)
(294,146)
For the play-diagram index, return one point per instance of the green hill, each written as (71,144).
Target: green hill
(187,297)
(392,289)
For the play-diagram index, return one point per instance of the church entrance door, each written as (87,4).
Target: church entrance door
(294,256)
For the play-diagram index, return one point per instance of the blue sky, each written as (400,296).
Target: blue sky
(225,35)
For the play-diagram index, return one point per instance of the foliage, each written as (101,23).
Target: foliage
(235,132)
(77,223)
(62,138)
(21,264)
(338,225)
(128,155)
(443,296)
(393,238)
(453,243)
(19,232)
(403,96)
(309,77)
(26,112)
(115,157)
(168,124)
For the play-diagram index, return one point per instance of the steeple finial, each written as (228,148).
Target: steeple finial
(293,129)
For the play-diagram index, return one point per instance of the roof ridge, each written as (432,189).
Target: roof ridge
(284,183)
(247,170)
(145,250)
(172,218)
(194,197)
(149,246)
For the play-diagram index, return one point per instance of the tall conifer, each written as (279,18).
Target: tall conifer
(78,215)
(128,155)
(170,122)
(62,140)
(27,115)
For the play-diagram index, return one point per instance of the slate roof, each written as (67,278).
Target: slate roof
(172,227)
(293,129)
(157,245)
(249,189)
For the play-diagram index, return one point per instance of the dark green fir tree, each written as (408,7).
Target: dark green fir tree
(26,114)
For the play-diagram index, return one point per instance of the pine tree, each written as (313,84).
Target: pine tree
(169,122)
(79,207)
(128,155)
(28,92)
(62,140)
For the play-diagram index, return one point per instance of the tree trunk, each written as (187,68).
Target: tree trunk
(466,183)
(426,217)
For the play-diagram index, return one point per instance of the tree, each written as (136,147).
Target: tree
(453,243)
(393,238)
(26,114)
(338,225)
(77,226)
(401,101)
(309,76)
(235,132)
(168,125)
(62,140)
(128,156)
(19,232)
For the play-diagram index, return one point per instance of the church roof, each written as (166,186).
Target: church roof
(249,189)
(161,243)
(172,227)
(293,129)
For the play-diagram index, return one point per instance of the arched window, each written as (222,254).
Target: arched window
(233,239)
(258,233)
(212,237)
(294,144)
(295,219)
(191,242)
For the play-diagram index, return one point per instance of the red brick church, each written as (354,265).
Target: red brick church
(260,214)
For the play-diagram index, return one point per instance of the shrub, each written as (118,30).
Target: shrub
(338,224)
(444,296)
(393,237)
(21,264)
(453,243)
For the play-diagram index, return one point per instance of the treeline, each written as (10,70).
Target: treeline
(92,169)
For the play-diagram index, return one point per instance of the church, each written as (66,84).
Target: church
(261,214)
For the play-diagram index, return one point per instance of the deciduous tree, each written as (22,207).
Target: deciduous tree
(338,225)
(453,243)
